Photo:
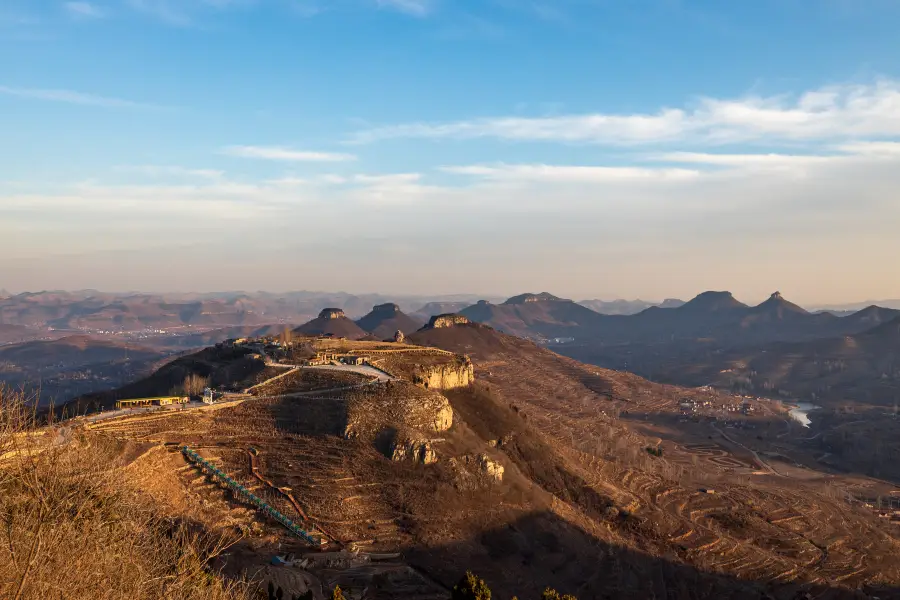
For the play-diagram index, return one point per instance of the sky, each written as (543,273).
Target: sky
(589,148)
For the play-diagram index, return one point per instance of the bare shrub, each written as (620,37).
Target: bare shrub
(72,527)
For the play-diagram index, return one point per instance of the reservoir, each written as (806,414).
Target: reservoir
(800,412)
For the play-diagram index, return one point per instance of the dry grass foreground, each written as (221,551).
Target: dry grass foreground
(75,527)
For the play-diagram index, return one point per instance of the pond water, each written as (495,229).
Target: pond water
(800,412)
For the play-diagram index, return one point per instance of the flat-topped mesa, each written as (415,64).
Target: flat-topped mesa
(331,313)
(388,307)
(542,297)
(450,320)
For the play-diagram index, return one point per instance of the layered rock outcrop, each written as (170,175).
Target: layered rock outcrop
(397,406)
(332,313)
(489,467)
(416,450)
(441,321)
(399,418)
(475,471)
(448,376)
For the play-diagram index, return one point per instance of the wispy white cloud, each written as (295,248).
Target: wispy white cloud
(848,111)
(572,174)
(468,26)
(668,124)
(418,8)
(169,170)
(285,154)
(389,179)
(888,149)
(73,97)
(84,10)
(766,161)
(850,153)
(172,13)
(196,13)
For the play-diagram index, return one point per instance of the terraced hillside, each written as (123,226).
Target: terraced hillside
(540,477)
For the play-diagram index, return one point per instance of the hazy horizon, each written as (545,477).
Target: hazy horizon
(451,296)
(642,150)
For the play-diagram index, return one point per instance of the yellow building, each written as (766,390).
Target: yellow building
(157,401)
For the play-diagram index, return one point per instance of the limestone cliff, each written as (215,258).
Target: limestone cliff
(441,321)
(417,450)
(446,376)
(396,406)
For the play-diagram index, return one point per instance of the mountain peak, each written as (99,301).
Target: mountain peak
(529,297)
(777,302)
(332,313)
(713,302)
(385,320)
(388,307)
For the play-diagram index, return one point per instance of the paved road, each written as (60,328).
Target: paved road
(367,370)
(378,376)
(109,414)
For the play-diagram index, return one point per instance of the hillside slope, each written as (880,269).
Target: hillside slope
(536,315)
(860,368)
(536,475)
(386,319)
(332,321)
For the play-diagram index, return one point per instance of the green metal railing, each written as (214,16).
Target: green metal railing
(246,495)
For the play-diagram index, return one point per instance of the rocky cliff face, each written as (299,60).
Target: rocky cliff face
(397,406)
(416,450)
(441,321)
(331,313)
(399,418)
(459,373)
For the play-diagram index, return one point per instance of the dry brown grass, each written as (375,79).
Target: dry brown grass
(73,527)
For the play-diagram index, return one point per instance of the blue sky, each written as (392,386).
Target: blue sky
(589,147)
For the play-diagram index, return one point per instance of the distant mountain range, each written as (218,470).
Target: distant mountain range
(432,309)
(711,316)
(93,311)
(856,306)
(627,307)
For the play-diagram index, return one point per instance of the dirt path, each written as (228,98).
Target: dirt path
(759,460)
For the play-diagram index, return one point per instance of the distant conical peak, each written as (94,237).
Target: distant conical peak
(776,296)
(705,297)
(713,301)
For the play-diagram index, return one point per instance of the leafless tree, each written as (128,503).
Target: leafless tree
(194,385)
